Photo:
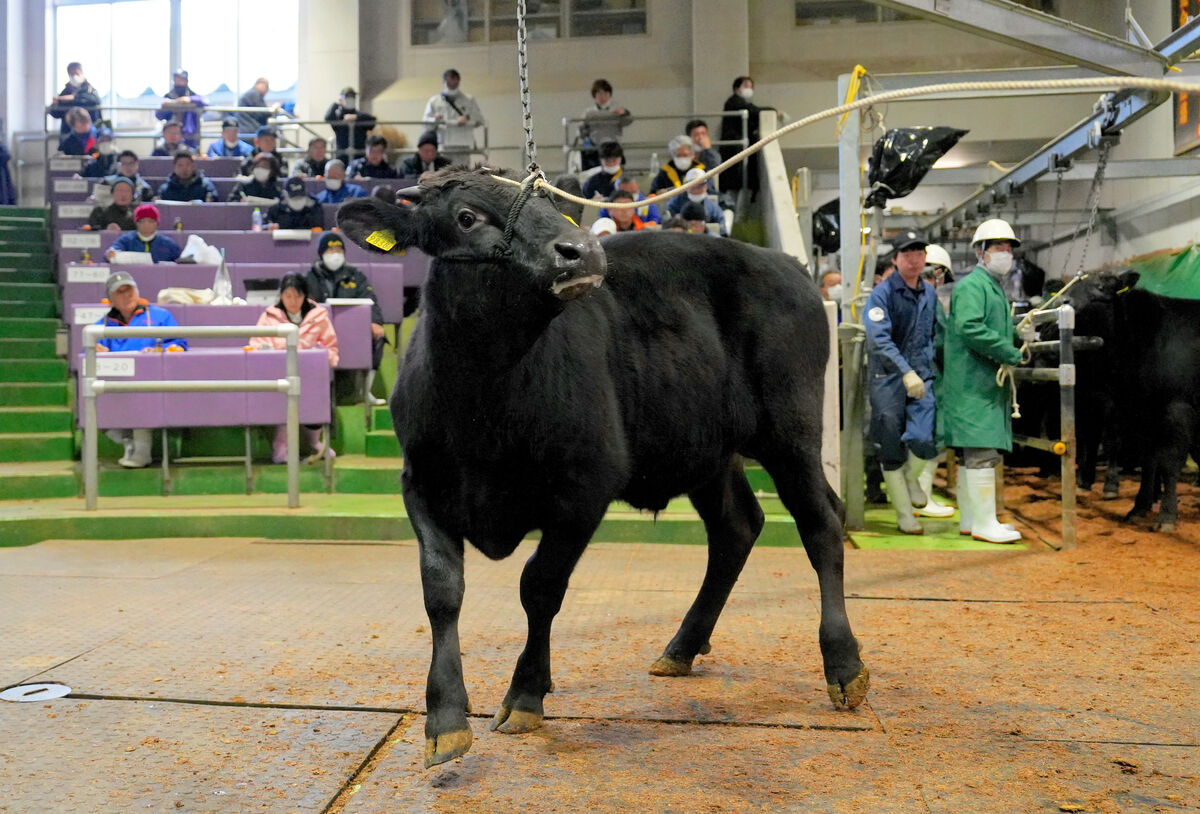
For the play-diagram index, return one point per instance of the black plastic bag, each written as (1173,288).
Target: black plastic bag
(902,157)
(827,233)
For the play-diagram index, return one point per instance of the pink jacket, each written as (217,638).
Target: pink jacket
(316,331)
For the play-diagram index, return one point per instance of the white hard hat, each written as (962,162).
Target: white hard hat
(604,226)
(935,255)
(995,229)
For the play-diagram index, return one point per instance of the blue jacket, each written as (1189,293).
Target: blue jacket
(900,323)
(145,316)
(161,249)
(218,149)
(198,188)
(348,191)
(78,143)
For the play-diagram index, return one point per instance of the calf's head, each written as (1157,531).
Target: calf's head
(459,216)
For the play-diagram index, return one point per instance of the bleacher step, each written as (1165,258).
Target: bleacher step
(21,275)
(34,370)
(33,394)
(27,349)
(25,309)
(37,446)
(382,444)
(28,292)
(38,480)
(27,327)
(35,419)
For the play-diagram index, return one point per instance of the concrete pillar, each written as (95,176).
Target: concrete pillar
(329,48)
(720,50)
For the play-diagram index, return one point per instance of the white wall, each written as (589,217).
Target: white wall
(329,54)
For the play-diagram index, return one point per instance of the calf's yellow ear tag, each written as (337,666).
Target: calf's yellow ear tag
(570,220)
(382,239)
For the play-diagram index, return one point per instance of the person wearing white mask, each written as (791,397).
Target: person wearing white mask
(263,183)
(297,210)
(454,115)
(330,277)
(350,125)
(698,194)
(739,177)
(337,189)
(104,161)
(976,411)
(229,144)
(683,158)
(601,184)
(77,92)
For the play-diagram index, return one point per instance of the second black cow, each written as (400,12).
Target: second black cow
(549,376)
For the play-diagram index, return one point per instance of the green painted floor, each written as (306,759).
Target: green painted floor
(941,534)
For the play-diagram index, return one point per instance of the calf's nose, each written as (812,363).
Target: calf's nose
(581,254)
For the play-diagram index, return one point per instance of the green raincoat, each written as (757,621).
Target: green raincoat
(975,411)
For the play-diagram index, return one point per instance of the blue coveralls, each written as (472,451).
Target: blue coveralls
(900,324)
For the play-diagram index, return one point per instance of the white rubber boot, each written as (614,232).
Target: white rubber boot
(372,400)
(981,483)
(897,490)
(931,508)
(913,469)
(138,450)
(965,510)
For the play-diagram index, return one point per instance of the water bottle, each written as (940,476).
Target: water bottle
(178,224)
(87,257)
(256,220)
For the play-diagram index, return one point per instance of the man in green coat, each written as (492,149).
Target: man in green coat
(976,411)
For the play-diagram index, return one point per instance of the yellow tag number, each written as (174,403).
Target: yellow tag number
(383,239)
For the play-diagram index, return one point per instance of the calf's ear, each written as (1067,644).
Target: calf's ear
(1128,280)
(377,225)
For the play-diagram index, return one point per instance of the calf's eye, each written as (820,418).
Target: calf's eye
(466,219)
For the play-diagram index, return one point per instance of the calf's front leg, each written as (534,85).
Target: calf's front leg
(447,733)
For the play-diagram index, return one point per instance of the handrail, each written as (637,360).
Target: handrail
(91,387)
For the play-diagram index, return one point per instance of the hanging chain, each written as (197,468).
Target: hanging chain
(1058,185)
(523,72)
(1097,185)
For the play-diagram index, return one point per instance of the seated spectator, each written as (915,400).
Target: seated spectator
(118,215)
(612,162)
(601,122)
(674,224)
(316,331)
(171,141)
(604,226)
(693,218)
(264,180)
(265,141)
(831,285)
(256,97)
(625,219)
(129,310)
(350,125)
(313,163)
(78,92)
(374,164)
(648,213)
(104,161)
(230,145)
(297,210)
(331,278)
(336,189)
(186,183)
(683,158)
(128,167)
(146,238)
(81,140)
(706,153)
(179,104)
(426,158)
(698,195)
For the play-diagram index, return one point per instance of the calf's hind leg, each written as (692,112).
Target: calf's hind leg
(733,519)
(817,511)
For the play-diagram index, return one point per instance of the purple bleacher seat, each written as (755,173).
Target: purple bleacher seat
(154,410)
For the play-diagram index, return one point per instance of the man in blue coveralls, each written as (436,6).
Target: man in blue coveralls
(901,318)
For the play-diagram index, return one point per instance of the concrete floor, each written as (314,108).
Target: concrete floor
(244,674)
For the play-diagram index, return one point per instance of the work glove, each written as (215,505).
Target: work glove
(914,385)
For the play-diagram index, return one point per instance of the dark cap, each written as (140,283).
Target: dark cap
(267,130)
(428,137)
(348,91)
(692,211)
(180,72)
(116,280)
(330,240)
(103,133)
(908,240)
(121,179)
(229,121)
(295,187)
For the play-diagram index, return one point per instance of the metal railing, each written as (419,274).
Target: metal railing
(92,386)
(572,143)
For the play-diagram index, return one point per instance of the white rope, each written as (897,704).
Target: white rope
(1090,83)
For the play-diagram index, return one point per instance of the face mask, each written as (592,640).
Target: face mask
(261,174)
(746,93)
(333,184)
(231,144)
(611,169)
(697,196)
(296,204)
(350,102)
(106,148)
(451,93)
(834,293)
(998,263)
(334,260)
(147,238)
(76,80)
(682,163)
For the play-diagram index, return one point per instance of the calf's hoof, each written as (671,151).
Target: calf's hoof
(670,666)
(853,692)
(1166,525)
(515,721)
(447,746)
